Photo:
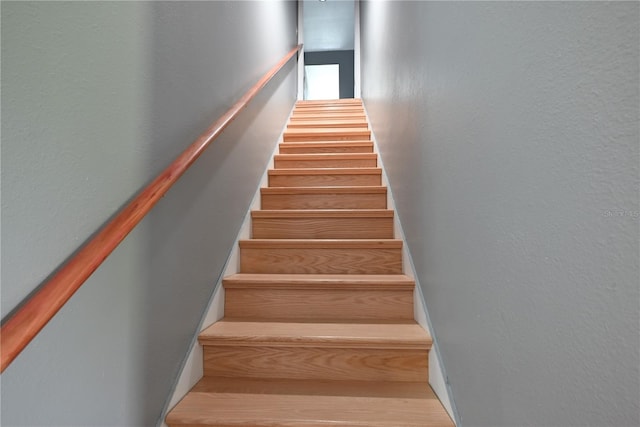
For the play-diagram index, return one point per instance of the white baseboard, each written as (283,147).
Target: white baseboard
(192,370)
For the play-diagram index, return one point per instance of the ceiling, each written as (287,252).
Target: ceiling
(328,25)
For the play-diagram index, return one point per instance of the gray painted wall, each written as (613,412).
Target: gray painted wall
(509,131)
(98,97)
(328,25)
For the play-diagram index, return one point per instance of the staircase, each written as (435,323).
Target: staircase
(318,326)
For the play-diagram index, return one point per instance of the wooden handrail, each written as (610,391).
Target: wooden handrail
(18,331)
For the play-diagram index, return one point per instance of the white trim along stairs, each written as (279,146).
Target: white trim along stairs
(318,325)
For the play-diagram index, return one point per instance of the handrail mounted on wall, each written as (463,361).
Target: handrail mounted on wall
(23,325)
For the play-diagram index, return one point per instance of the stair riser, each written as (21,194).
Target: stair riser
(325,111)
(324,201)
(304,117)
(329,107)
(323,228)
(313,304)
(337,180)
(308,114)
(301,124)
(317,149)
(325,102)
(325,163)
(311,363)
(321,260)
(356,135)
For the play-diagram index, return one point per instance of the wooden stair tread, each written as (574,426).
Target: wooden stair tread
(217,401)
(304,196)
(322,177)
(308,116)
(327,112)
(322,243)
(265,410)
(314,161)
(328,131)
(326,147)
(312,105)
(323,213)
(317,319)
(376,335)
(326,171)
(333,123)
(325,134)
(327,108)
(326,156)
(321,281)
(342,101)
(342,106)
(329,101)
(378,189)
(401,389)
(328,143)
(324,298)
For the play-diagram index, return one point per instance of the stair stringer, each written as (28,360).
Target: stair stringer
(192,369)
(437,374)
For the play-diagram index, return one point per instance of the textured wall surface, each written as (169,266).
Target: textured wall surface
(509,131)
(328,25)
(97,98)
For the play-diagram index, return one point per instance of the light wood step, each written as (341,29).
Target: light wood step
(326,134)
(323,105)
(327,147)
(304,105)
(328,107)
(374,197)
(400,389)
(319,296)
(325,177)
(322,256)
(322,224)
(339,101)
(324,281)
(325,160)
(316,363)
(224,402)
(310,116)
(374,351)
(357,335)
(324,113)
(334,123)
